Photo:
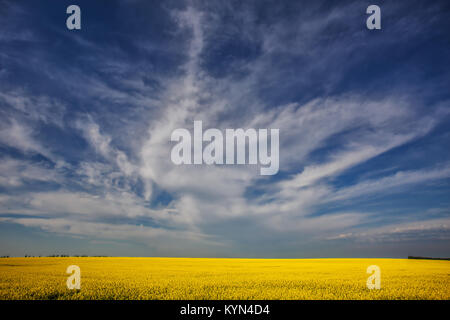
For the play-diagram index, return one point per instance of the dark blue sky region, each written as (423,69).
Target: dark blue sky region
(86,118)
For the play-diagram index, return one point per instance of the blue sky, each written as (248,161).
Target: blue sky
(86,119)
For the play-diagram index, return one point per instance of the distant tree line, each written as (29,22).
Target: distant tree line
(427,258)
(59,256)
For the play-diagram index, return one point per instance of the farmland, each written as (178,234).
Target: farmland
(195,278)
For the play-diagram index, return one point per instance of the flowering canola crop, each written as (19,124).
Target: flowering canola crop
(195,278)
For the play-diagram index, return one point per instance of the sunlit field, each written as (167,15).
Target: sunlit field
(186,278)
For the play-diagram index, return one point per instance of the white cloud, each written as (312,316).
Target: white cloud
(20,136)
(102,144)
(15,173)
(390,183)
(431,229)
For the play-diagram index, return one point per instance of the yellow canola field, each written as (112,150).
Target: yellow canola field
(194,278)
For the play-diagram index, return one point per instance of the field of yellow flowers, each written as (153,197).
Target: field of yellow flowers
(193,278)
